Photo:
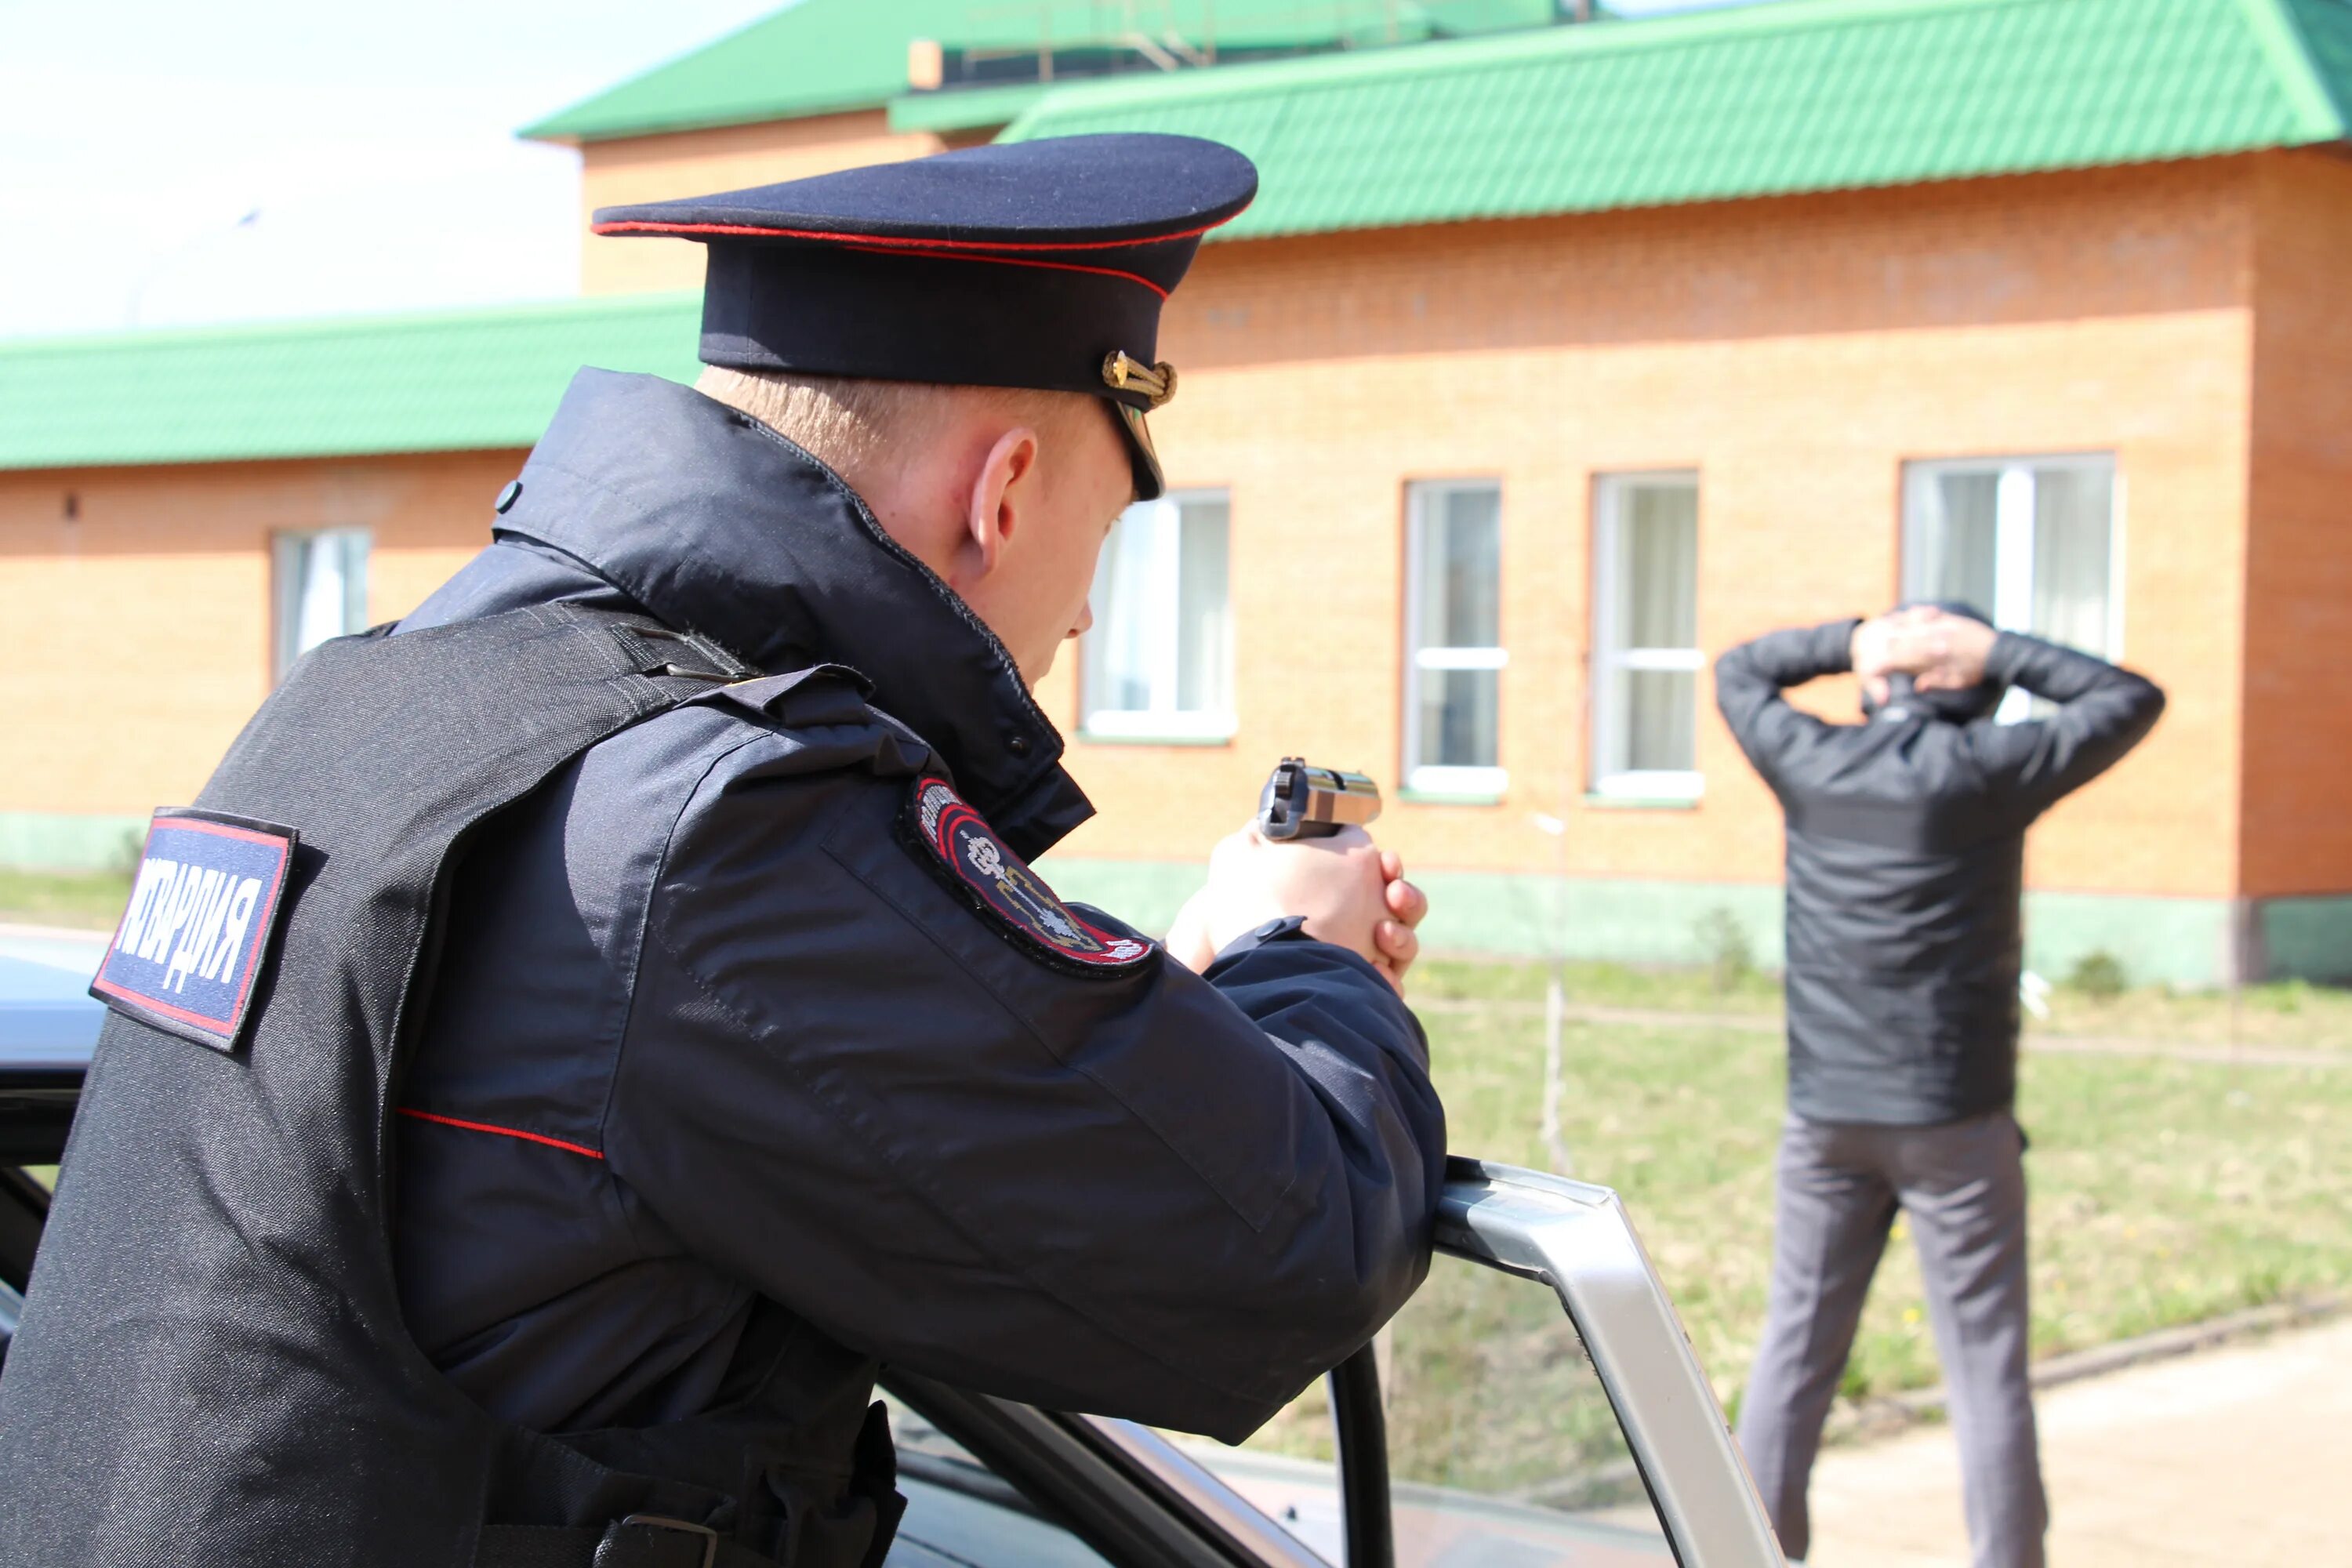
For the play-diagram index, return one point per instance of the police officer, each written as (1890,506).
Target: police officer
(641,1020)
(1906,868)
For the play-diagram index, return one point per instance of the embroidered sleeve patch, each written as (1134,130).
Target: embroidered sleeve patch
(1006,892)
(202,908)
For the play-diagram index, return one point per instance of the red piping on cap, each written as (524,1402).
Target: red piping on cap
(1009,261)
(504,1132)
(652,225)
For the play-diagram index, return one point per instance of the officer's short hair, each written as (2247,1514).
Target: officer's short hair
(849,423)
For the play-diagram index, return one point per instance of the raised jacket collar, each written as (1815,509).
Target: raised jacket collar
(716,524)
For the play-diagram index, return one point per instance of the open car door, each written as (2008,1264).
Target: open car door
(1537,1405)
(49,1024)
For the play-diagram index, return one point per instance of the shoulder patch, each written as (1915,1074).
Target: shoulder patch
(976,864)
(204,907)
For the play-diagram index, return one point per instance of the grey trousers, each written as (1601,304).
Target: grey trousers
(1963,1185)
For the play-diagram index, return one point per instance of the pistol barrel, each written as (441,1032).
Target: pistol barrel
(1302,801)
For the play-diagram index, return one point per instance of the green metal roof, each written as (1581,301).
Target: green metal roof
(451,381)
(966,107)
(823,56)
(1803,95)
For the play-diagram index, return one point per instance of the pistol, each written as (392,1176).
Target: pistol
(1302,801)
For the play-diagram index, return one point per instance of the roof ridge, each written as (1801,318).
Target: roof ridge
(1672,30)
(861,45)
(132,339)
(2301,61)
(1807,95)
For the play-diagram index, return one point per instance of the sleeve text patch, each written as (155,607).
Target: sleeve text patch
(204,906)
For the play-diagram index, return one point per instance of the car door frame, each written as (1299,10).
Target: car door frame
(1145,1503)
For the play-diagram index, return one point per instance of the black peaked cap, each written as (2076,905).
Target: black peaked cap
(1036,264)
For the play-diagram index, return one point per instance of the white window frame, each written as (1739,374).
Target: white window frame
(1607,658)
(286,588)
(1436,779)
(2012,606)
(1165,640)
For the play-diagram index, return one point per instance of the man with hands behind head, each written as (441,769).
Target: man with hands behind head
(1905,876)
(668,1030)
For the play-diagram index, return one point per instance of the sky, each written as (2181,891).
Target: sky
(168,163)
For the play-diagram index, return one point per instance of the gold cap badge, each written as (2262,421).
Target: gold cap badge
(1157,382)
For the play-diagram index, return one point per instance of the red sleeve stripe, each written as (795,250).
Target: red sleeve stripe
(504,1132)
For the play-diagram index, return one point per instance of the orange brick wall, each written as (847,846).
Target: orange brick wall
(1795,352)
(151,608)
(2298,724)
(694,162)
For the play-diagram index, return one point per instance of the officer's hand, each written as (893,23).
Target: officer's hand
(1408,907)
(1350,893)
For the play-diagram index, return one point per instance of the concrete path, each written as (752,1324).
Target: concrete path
(2234,1458)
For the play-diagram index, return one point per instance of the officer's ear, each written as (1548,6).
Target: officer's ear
(1002,493)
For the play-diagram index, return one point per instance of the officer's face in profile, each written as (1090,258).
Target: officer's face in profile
(1039,508)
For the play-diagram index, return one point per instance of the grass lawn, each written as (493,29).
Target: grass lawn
(2290,1012)
(87,898)
(2287,1013)
(2163,1192)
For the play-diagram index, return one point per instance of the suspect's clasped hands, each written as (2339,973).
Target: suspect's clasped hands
(1940,651)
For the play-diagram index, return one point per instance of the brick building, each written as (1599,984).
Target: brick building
(1548,364)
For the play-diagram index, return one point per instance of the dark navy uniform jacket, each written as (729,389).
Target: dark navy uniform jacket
(709,1045)
(1907,864)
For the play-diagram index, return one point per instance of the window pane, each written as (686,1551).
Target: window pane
(1286,1469)
(1458,728)
(1456,591)
(319,606)
(322,589)
(1658,602)
(1204,629)
(2027,543)
(1503,1447)
(1461,567)
(1502,1444)
(1162,639)
(2073,509)
(1118,655)
(1662,720)
(1645,632)
(961,1511)
(1950,536)
(354,543)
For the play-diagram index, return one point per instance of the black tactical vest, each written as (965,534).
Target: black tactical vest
(212,1368)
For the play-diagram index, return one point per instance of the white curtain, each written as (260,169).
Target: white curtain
(1118,655)
(1461,569)
(1656,613)
(1658,605)
(322,589)
(1950,545)
(1457,572)
(1205,634)
(1162,640)
(2073,509)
